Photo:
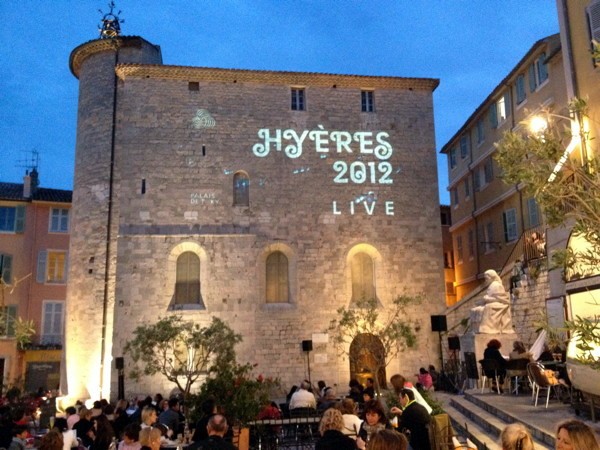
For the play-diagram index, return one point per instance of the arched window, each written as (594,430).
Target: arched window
(187,281)
(277,278)
(241,189)
(363,277)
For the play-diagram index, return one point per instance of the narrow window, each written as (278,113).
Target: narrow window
(12,219)
(241,189)
(467,188)
(7,320)
(194,86)
(455,196)
(510,225)
(56,267)
(187,279)
(6,268)
(480,131)
(534,212)
(542,69)
(459,250)
(59,220)
(363,277)
(277,278)
(521,94)
(143,190)
(52,328)
(488,170)
(464,147)
(367,104)
(297,99)
(452,158)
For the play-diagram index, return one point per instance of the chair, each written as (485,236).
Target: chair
(489,371)
(540,381)
(516,370)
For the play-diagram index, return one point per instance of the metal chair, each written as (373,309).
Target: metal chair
(516,371)
(540,381)
(489,371)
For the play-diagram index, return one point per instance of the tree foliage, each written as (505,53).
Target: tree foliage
(181,351)
(392,326)
(569,198)
(568,194)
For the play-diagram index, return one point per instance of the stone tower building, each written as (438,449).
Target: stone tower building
(268,199)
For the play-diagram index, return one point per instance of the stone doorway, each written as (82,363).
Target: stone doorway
(366,355)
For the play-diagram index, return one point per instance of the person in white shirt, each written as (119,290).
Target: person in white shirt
(303,398)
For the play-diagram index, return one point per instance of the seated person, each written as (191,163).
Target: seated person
(303,398)
(493,352)
(519,351)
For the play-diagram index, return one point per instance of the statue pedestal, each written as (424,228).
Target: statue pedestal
(477,343)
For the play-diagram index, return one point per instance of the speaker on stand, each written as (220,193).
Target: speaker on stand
(307,347)
(438,323)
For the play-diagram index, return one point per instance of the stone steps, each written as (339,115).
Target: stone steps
(482,417)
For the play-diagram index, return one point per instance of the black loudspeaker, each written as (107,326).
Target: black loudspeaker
(453,342)
(438,323)
(307,346)
(119,363)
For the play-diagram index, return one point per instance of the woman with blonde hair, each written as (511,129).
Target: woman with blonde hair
(149,416)
(516,437)
(150,438)
(575,435)
(330,428)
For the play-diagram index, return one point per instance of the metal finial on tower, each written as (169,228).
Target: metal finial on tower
(110,24)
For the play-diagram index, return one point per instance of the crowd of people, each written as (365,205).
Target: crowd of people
(348,422)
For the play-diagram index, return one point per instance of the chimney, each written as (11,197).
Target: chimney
(30,183)
(27,185)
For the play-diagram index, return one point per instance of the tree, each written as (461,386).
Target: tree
(382,332)
(567,188)
(568,193)
(181,351)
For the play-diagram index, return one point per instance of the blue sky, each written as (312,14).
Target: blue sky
(470,45)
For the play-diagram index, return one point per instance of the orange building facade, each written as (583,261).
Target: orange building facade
(34,243)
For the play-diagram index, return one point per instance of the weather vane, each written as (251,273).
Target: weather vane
(110,24)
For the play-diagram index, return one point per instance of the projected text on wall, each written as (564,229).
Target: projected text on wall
(361,144)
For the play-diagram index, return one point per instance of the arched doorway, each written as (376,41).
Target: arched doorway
(367,358)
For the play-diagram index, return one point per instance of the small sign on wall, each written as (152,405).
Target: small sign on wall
(320,338)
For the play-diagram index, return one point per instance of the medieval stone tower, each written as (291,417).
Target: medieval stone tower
(268,199)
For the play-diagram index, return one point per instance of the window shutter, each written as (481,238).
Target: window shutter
(542,68)
(41,266)
(6,265)
(20,220)
(507,104)
(505,223)
(593,11)
(11,316)
(532,80)
(493,116)
(476,180)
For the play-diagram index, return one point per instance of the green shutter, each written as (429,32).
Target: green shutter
(41,267)
(20,219)
(507,104)
(11,315)
(532,80)
(493,116)
(6,268)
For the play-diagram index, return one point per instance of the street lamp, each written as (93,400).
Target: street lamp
(538,125)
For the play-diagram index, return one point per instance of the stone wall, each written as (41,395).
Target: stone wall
(173,192)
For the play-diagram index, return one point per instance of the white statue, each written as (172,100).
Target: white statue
(492,315)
